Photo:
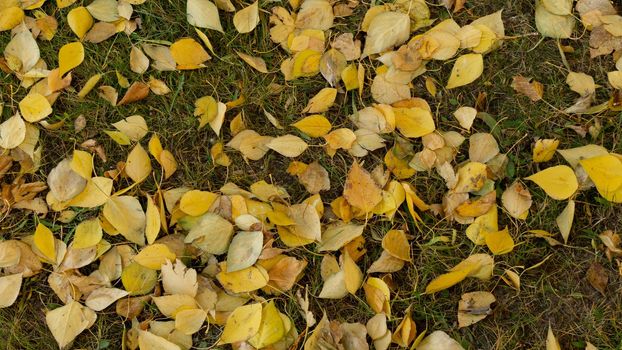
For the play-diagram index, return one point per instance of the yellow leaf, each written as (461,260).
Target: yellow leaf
(499,242)
(154,255)
(552,25)
(256,62)
(271,328)
(69,57)
(188,54)
(190,321)
(445,281)
(247,18)
(152,219)
(169,164)
(155,147)
(544,150)
(414,122)
(139,62)
(206,108)
(353,277)
(242,324)
(82,163)
(471,177)
(89,85)
(615,79)
(45,243)
(34,107)
(10,17)
(551,341)
(134,126)
(244,250)
(88,234)
(126,215)
(350,77)
(80,21)
(95,193)
(466,70)
(360,189)
(305,64)
(314,125)
(322,101)
(565,219)
(482,225)
(137,279)
(64,3)
(396,244)
(559,182)
(242,281)
(148,340)
(378,295)
(606,173)
(138,164)
(197,202)
(581,83)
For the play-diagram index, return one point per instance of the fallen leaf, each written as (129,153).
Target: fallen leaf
(598,277)
(559,182)
(69,57)
(256,62)
(360,190)
(67,321)
(532,89)
(474,307)
(246,19)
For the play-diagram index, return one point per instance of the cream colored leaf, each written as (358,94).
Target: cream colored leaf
(9,289)
(565,219)
(322,101)
(256,62)
(386,30)
(12,132)
(552,25)
(288,145)
(139,62)
(135,127)
(126,215)
(203,14)
(244,250)
(67,322)
(247,18)
(147,340)
(178,279)
(242,324)
(103,297)
(551,341)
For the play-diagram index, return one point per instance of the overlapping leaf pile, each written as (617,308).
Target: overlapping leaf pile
(248,240)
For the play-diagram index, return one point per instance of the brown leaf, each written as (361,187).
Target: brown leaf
(137,91)
(100,32)
(598,278)
(534,90)
(131,307)
(315,178)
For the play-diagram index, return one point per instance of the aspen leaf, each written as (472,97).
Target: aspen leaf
(288,145)
(67,321)
(414,122)
(139,62)
(126,215)
(138,164)
(136,92)
(499,242)
(177,279)
(552,25)
(103,297)
(34,107)
(80,21)
(154,255)
(445,281)
(551,341)
(564,220)
(242,324)
(544,150)
(64,183)
(152,221)
(244,250)
(474,307)
(69,57)
(314,125)
(197,202)
(256,62)
(190,321)
(104,10)
(395,243)
(606,173)
(581,83)
(170,305)
(271,328)
(245,280)
(9,289)
(188,54)
(516,200)
(386,30)
(559,182)
(466,70)
(10,17)
(88,234)
(247,18)
(203,14)
(82,164)
(322,101)
(135,127)
(353,277)
(334,286)
(337,235)
(12,132)
(439,340)
(209,232)
(137,279)
(148,340)
(360,190)
(465,116)
(44,241)
(95,193)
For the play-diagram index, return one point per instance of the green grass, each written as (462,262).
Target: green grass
(555,292)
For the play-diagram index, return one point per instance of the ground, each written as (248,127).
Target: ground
(555,293)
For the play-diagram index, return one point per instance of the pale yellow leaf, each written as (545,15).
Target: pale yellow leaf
(466,70)
(246,19)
